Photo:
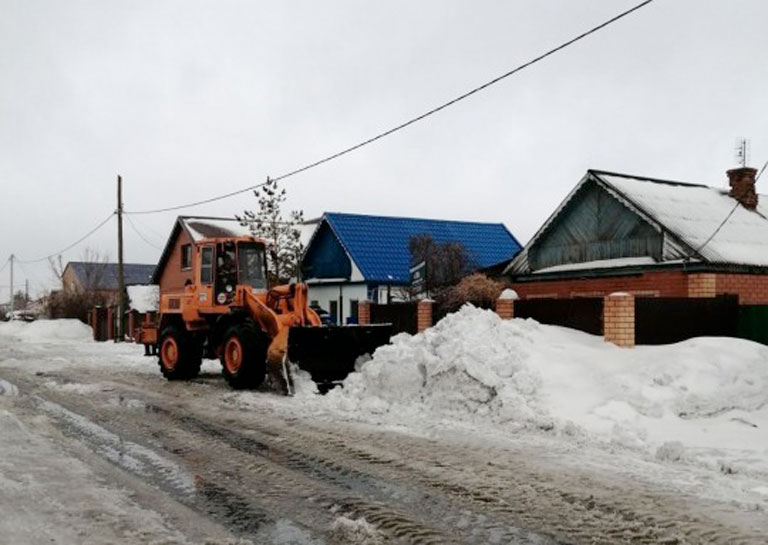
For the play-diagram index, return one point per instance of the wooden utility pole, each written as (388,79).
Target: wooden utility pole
(12,257)
(120,278)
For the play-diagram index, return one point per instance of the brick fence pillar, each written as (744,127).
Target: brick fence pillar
(364,312)
(505,304)
(701,285)
(424,314)
(619,319)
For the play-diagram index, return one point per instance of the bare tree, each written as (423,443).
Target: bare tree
(446,262)
(281,234)
(75,299)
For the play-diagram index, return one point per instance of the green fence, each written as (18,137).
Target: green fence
(753,323)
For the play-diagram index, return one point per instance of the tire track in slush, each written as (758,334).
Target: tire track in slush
(234,507)
(452,486)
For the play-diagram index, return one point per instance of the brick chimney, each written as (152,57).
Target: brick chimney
(742,182)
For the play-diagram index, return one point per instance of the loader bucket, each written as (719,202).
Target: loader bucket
(329,353)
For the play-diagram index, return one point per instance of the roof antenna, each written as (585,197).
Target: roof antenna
(742,151)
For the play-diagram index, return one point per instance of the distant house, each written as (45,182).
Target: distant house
(353,257)
(650,237)
(102,277)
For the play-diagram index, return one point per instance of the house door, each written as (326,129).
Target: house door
(334,312)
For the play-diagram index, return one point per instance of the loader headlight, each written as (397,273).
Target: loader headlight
(221,298)
(228,288)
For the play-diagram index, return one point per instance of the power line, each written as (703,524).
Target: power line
(78,241)
(722,223)
(5,264)
(142,237)
(411,121)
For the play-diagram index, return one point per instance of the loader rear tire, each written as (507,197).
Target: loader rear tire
(244,356)
(180,354)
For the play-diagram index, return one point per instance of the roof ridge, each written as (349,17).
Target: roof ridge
(647,178)
(207,218)
(411,218)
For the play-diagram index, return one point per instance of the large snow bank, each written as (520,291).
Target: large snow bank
(46,330)
(704,393)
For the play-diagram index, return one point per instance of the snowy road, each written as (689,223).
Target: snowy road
(96,447)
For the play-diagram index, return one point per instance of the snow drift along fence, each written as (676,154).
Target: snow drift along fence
(664,320)
(583,313)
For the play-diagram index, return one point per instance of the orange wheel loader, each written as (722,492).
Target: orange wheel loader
(230,313)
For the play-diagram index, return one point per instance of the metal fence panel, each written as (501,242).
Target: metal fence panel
(753,323)
(402,316)
(583,313)
(665,320)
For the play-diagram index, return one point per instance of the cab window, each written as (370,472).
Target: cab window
(251,266)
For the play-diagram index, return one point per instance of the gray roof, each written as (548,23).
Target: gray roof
(106,273)
(687,214)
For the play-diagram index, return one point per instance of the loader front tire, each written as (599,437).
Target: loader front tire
(180,354)
(244,356)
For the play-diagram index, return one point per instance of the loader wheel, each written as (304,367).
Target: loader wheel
(180,354)
(244,356)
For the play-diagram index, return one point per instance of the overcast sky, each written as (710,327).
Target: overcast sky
(189,99)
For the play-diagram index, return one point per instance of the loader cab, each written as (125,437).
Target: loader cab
(226,264)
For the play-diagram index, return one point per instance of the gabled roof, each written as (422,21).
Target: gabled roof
(379,245)
(197,228)
(688,215)
(202,227)
(105,274)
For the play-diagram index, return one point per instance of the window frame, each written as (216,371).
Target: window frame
(186,251)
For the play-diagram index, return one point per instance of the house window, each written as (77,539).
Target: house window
(353,311)
(206,265)
(186,256)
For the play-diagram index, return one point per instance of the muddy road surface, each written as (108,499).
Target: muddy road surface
(213,471)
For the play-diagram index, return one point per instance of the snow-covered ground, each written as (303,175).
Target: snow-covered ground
(697,410)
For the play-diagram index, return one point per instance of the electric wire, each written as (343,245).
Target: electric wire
(5,264)
(411,121)
(142,237)
(722,223)
(78,241)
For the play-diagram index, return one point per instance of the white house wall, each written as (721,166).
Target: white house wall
(325,293)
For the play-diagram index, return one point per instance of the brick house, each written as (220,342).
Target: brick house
(101,278)
(650,238)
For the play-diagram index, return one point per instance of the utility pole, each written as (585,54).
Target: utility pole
(120,278)
(12,258)
(26,293)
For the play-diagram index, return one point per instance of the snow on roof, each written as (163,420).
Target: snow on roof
(694,212)
(144,298)
(201,228)
(599,264)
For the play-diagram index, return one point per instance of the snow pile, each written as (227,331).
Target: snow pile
(470,363)
(47,330)
(144,298)
(705,393)
(355,531)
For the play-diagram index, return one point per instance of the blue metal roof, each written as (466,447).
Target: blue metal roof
(379,244)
